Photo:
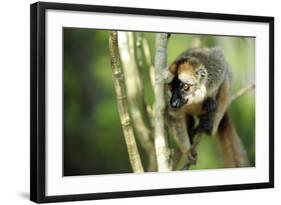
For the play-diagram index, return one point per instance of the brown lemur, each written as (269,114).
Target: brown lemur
(200,84)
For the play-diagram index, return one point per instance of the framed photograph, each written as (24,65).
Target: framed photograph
(129,102)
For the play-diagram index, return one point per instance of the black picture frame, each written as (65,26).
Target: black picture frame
(38,100)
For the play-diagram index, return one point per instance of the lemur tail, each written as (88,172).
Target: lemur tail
(232,149)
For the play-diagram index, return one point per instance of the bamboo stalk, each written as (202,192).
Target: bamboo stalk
(119,85)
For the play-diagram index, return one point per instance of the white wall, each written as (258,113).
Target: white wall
(14,100)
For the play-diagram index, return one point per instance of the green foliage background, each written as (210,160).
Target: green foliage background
(93,140)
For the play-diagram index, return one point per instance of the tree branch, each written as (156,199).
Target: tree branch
(134,87)
(161,145)
(196,42)
(118,80)
(147,55)
(140,65)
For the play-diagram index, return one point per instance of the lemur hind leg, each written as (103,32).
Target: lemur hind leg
(223,99)
(178,124)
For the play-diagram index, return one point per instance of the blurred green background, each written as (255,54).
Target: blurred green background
(93,139)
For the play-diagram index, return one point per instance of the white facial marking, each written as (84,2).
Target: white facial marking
(184,77)
(198,96)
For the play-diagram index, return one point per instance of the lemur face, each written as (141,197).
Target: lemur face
(179,92)
(188,76)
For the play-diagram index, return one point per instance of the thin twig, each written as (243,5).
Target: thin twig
(119,85)
(242,91)
(161,145)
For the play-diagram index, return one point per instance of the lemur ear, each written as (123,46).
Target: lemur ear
(168,75)
(173,69)
(201,73)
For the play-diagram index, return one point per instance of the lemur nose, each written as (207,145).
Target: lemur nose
(175,104)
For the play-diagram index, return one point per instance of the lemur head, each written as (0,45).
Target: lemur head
(187,76)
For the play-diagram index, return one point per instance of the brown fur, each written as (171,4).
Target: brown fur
(231,145)
(223,98)
(218,85)
(184,66)
(194,109)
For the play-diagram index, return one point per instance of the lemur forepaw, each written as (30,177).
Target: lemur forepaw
(191,156)
(205,124)
(210,104)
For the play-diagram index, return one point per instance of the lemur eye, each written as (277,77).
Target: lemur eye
(186,87)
